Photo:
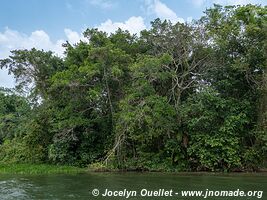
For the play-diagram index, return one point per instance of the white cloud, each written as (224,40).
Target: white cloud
(162,11)
(39,39)
(133,25)
(73,37)
(12,39)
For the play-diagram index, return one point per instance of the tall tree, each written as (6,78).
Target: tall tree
(32,70)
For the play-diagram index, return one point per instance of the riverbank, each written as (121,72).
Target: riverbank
(39,169)
(36,169)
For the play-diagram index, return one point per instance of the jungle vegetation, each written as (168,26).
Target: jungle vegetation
(177,97)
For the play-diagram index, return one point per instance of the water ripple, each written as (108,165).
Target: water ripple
(14,190)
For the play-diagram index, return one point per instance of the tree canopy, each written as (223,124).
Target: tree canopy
(184,96)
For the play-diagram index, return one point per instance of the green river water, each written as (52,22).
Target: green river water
(20,187)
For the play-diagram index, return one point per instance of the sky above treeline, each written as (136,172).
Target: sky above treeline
(47,24)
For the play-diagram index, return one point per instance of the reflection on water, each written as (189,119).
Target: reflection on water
(16,187)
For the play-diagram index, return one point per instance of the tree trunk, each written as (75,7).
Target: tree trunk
(262,120)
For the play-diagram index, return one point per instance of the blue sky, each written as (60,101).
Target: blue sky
(46,24)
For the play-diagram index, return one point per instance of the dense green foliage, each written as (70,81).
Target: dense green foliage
(176,97)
